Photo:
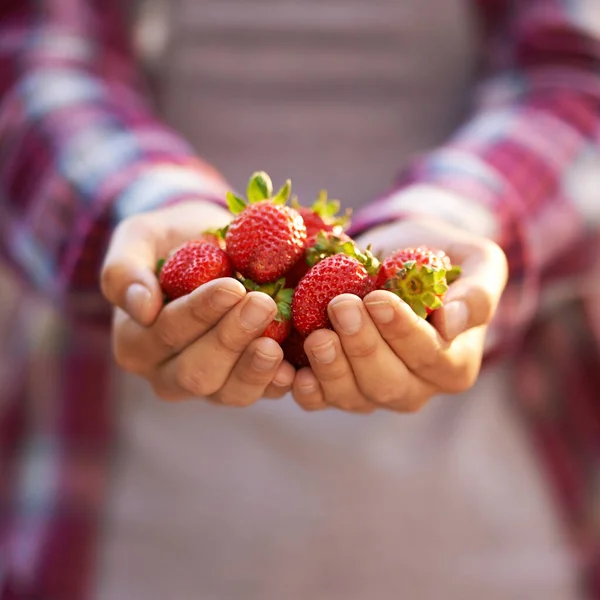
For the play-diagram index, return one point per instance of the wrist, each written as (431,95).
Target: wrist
(157,186)
(426,201)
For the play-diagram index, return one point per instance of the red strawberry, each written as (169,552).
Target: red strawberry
(190,266)
(266,238)
(335,275)
(418,276)
(293,350)
(322,215)
(280,327)
(318,247)
(278,330)
(214,237)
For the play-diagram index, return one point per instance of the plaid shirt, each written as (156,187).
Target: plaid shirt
(80,149)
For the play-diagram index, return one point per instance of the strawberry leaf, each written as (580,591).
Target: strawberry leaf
(453,274)
(218,232)
(250,285)
(235,204)
(283,194)
(328,211)
(159,265)
(370,263)
(260,187)
(440,288)
(284,304)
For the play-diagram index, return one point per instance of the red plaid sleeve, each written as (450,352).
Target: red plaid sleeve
(523,168)
(80,147)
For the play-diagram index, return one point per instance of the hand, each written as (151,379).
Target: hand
(381,354)
(206,344)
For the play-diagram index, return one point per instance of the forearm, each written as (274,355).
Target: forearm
(80,147)
(519,170)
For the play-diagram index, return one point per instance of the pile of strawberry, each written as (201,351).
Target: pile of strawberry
(302,258)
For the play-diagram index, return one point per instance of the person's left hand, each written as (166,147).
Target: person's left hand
(381,354)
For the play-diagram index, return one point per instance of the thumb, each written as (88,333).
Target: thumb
(128,279)
(473,299)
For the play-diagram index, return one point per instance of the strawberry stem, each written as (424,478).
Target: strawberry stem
(277,291)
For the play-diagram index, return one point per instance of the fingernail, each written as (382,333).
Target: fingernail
(456,317)
(256,312)
(347,316)
(223,298)
(263,362)
(137,299)
(381,311)
(324,354)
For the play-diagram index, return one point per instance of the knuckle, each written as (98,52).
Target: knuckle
(193,380)
(163,393)
(387,396)
(363,349)
(234,398)
(126,360)
(201,311)
(230,339)
(464,380)
(412,406)
(168,338)
(400,329)
(428,360)
(123,357)
(347,402)
(332,373)
(248,376)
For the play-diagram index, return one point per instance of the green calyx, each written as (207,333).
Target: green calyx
(328,210)
(260,187)
(218,232)
(453,274)
(277,291)
(327,245)
(420,287)
(159,265)
(330,244)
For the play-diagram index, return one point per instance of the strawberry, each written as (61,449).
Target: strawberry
(190,266)
(418,276)
(266,238)
(278,330)
(319,246)
(332,276)
(214,237)
(322,216)
(280,327)
(293,350)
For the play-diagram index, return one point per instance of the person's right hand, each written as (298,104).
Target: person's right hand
(207,344)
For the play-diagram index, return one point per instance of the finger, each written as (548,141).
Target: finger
(473,298)
(203,368)
(421,348)
(307,391)
(282,381)
(128,279)
(381,375)
(180,323)
(334,373)
(252,374)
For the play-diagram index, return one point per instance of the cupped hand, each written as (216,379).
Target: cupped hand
(381,354)
(206,344)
